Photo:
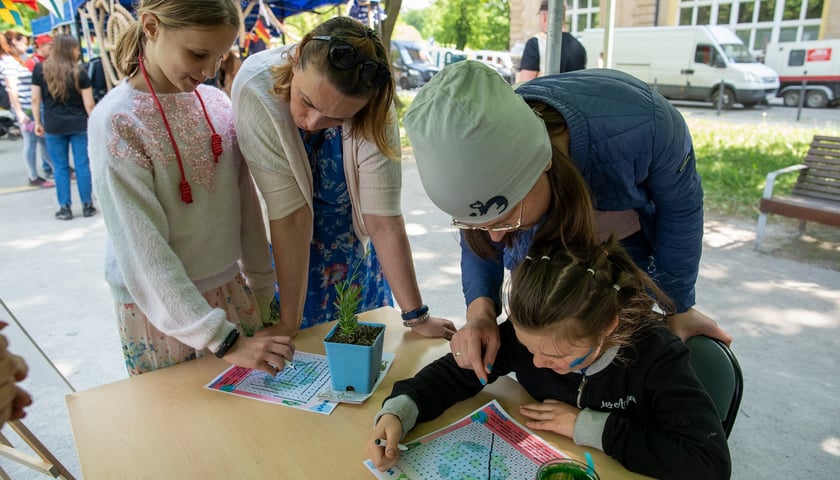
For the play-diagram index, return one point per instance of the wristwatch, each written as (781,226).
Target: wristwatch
(227,343)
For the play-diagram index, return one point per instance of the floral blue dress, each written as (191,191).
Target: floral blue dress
(336,250)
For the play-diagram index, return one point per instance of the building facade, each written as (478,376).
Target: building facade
(756,22)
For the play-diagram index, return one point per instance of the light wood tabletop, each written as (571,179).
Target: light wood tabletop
(165,424)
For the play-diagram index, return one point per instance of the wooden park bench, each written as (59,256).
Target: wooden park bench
(816,194)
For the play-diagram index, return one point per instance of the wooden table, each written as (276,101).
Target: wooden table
(164,424)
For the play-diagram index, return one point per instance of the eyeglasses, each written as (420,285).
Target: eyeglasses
(344,56)
(504,227)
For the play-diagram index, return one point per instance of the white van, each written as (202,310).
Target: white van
(816,61)
(687,63)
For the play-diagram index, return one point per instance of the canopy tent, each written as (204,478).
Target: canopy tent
(280,10)
(47,23)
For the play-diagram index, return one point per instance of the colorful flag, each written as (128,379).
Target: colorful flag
(56,7)
(33,4)
(9,13)
(262,32)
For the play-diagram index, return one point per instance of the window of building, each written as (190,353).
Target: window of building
(810,32)
(685,15)
(814,9)
(583,14)
(704,15)
(762,38)
(765,10)
(787,34)
(724,11)
(745,11)
(792,9)
(744,35)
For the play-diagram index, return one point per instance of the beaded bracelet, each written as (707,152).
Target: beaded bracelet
(417,320)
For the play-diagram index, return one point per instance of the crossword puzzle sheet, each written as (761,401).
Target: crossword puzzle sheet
(298,387)
(486,444)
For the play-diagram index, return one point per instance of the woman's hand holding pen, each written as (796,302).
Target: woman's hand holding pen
(267,353)
(389,429)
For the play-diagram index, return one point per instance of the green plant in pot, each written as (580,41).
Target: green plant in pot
(354,348)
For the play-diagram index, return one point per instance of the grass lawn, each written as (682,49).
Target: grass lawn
(734,160)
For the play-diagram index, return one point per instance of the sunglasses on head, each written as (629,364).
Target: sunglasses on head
(344,56)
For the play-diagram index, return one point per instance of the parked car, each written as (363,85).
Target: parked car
(811,61)
(500,61)
(688,63)
(412,64)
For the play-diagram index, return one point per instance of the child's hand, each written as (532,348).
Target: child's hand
(389,429)
(551,415)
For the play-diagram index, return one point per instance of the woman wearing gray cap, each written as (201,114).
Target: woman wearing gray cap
(570,158)
(317,126)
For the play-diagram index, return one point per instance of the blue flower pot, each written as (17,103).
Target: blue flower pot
(354,367)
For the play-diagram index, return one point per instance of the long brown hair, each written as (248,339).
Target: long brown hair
(569,218)
(174,15)
(577,292)
(62,65)
(372,119)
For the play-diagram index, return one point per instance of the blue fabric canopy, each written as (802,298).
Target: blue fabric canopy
(281,9)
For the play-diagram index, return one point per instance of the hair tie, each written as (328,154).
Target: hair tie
(371,33)
(616,287)
(528,257)
(591,271)
(546,258)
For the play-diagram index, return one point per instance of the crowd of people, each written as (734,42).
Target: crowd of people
(600,220)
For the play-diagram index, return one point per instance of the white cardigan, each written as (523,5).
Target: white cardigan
(271,144)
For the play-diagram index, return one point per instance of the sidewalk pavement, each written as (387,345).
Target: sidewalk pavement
(784,316)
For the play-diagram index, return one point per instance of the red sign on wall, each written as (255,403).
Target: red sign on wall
(818,55)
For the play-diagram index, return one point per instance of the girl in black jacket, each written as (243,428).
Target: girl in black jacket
(585,341)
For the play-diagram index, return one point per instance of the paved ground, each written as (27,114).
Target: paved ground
(783,310)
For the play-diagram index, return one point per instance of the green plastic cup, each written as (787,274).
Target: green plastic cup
(566,469)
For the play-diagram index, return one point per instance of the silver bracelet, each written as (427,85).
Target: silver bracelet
(416,321)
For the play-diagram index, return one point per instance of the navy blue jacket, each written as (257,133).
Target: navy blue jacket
(634,151)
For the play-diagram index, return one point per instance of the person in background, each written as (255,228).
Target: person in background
(17,80)
(584,340)
(318,128)
(533,63)
(64,87)
(188,261)
(13,399)
(43,47)
(590,146)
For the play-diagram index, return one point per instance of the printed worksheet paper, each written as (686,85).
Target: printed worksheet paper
(488,443)
(306,386)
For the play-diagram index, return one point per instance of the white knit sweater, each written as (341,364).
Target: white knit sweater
(165,252)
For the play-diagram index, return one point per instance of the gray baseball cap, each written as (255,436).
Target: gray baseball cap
(479,147)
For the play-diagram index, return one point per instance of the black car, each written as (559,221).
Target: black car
(411,63)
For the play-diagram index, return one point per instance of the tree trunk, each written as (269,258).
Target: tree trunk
(392,9)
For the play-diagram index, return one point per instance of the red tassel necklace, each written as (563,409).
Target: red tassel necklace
(215,138)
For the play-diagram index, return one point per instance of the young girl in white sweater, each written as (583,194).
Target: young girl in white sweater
(189,266)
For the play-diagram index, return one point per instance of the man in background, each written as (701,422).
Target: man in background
(533,64)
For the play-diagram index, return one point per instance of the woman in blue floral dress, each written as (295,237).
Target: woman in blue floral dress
(317,126)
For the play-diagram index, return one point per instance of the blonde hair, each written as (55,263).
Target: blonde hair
(173,15)
(371,121)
